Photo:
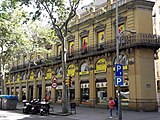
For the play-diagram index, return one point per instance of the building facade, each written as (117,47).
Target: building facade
(156,30)
(91,57)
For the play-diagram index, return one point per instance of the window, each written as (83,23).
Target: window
(84,44)
(24,59)
(71,47)
(59,50)
(100,40)
(158,85)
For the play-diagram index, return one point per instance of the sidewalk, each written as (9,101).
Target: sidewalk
(87,113)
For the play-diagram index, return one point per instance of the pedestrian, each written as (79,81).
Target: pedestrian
(116,105)
(24,97)
(111,106)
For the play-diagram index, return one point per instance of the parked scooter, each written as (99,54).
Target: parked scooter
(27,106)
(44,108)
(35,106)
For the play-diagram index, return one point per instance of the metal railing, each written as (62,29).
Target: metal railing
(130,41)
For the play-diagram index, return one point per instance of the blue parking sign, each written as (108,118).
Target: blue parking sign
(119,70)
(118,81)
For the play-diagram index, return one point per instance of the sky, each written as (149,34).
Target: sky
(85,2)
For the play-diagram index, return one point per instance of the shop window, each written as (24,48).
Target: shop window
(59,93)
(101,88)
(48,93)
(85,92)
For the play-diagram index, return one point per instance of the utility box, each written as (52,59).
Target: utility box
(8,102)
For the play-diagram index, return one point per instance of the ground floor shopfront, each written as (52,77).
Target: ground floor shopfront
(93,79)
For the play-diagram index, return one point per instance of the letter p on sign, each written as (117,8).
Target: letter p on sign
(118,81)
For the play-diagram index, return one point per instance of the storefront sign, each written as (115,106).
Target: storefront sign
(18,78)
(8,82)
(101,66)
(48,74)
(85,85)
(101,84)
(59,87)
(84,73)
(71,70)
(31,76)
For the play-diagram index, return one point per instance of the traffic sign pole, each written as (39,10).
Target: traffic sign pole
(117,56)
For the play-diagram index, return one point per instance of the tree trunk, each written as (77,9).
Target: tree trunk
(64,94)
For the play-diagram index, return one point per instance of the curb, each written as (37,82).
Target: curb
(60,113)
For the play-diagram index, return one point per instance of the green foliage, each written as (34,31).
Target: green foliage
(17,36)
(58,12)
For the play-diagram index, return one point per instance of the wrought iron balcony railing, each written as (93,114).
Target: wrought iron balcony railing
(125,42)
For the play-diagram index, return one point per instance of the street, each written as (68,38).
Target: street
(83,113)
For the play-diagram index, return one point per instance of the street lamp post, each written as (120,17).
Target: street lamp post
(118,35)
(117,56)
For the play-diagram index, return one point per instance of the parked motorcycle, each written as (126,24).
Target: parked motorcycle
(44,108)
(35,106)
(27,106)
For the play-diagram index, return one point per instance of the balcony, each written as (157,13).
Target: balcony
(139,40)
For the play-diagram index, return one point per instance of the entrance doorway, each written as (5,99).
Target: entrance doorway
(39,92)
(30,93)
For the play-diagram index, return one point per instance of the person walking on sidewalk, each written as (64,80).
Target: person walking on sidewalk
(111,106)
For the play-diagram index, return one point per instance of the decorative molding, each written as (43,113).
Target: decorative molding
(71,38)
(84,33)
(100,27)
(121,20)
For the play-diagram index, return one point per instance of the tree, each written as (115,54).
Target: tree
(18,36)
(10,36)
(60,13)
(38,36)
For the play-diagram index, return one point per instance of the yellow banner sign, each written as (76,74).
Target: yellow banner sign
(59,49)
(71,70)
(84,73)
(101,66)
(49,74)
(71,47)
(32,76)
(120,28)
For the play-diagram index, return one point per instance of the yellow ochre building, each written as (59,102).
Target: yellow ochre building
(91,56)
